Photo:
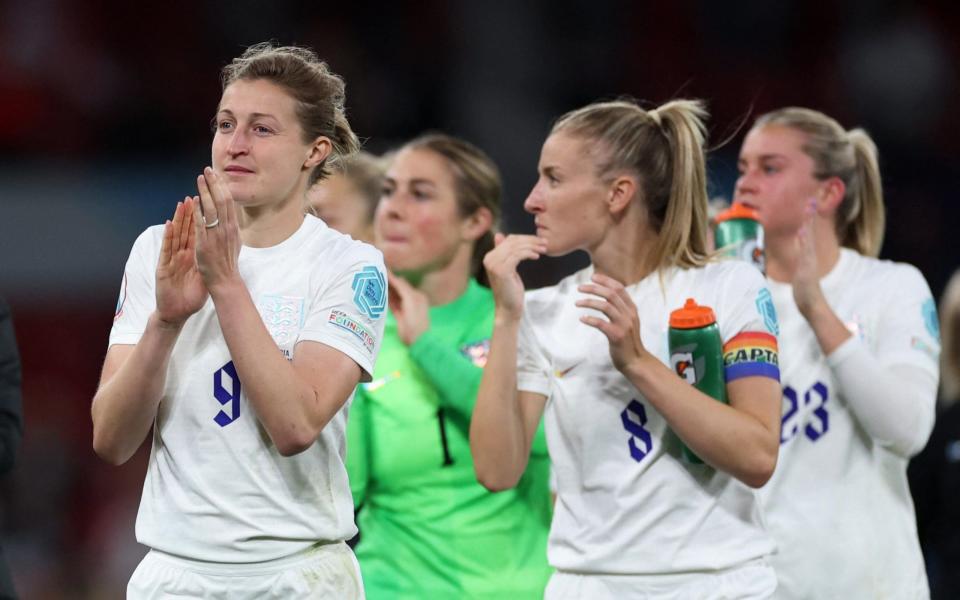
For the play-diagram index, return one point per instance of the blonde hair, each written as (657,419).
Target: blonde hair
(319,93)
(477,181)
(950,341)
(850,156)
(664,148)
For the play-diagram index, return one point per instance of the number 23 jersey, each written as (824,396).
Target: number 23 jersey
(216,488)
(627,503)
(838,504)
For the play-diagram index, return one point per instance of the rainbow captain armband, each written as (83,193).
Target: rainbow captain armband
(751,354)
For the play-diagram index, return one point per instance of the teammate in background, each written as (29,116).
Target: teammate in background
(347,199)
(633,519)
(935,473)
(243,328)
(859,351)
(428,529)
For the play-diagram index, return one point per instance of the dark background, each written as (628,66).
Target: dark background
(104,123)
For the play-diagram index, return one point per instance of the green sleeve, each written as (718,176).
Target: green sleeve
(358,447)
(454,375)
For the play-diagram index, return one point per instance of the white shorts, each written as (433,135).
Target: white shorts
(327,571)
(755,580)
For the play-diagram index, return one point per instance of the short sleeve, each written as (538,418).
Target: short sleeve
(348,313)
(908,331)
(137,298)
(533,368)
(748,325)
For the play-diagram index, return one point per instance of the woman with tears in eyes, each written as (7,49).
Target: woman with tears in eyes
(242,329)
(859,362)
(633,519)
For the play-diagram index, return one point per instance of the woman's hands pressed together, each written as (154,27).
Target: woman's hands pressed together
(806,278)
(217,232)
(180,289)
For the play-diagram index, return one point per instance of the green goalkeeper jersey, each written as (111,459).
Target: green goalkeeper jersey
(428,529)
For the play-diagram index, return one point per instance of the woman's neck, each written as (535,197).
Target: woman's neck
(445,284)
(625,252)
(268,225)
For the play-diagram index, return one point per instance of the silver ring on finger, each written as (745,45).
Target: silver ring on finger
(211,224)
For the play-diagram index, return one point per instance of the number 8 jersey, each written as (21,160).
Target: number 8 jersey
(627,503)
(216,487)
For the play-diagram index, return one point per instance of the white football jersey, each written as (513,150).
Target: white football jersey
(627,503)
(838,504)
(216,488)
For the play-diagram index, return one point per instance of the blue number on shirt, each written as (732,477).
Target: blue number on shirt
(791,396)
(227,390)
(820,411)
(816,394)
(636,430)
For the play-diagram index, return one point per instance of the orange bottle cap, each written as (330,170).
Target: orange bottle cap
(692,316)
(737,211)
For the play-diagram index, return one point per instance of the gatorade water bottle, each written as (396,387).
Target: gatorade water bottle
(740,235)
(696,354)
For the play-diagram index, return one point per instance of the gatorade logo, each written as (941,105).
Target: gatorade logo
(684,365)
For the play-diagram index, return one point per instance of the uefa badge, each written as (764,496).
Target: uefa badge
(929,311)
(767,311)
(370,292)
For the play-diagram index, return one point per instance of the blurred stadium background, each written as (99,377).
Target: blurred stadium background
(104,123)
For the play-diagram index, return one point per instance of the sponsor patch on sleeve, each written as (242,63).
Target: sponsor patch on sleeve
(340,319)
(370,291)
(929,310)
(751,354)
(767,311)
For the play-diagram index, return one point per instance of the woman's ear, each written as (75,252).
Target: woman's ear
(319,151)
(477,224)
(830,196)
(621,193)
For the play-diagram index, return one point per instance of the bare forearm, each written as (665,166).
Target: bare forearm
(125,405)
(731,440)
(497,437)
(292,411)
(827,326)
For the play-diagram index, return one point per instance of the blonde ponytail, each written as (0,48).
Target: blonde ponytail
(664,148)
(683,238)
(851,157)
(864,228)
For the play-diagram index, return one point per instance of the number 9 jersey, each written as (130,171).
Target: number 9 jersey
(216,488)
